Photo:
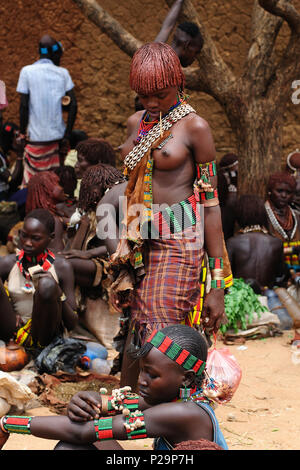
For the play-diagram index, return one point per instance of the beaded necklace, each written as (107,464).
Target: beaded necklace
(276,225)
(146,125)
(253,228)
(139,150)
(196,396)
(45,260)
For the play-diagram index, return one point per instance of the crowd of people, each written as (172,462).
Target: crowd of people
(136,231)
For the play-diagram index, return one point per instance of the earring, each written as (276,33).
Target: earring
(185,393)
(160,125)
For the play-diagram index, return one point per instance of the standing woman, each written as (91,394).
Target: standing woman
(169,157)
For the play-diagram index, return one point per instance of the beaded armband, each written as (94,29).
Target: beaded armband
(16,424)
(208,195)
(217,276)
(119,400)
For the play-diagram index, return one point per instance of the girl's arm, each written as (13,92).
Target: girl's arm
(171,420)
(88,405)
(66,282)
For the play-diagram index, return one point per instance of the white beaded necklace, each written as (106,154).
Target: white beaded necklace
(137,153)
(276,225)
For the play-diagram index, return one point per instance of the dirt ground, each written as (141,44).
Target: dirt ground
(264,413)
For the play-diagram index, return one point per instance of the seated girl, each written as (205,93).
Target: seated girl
(39,300)
(45,192)
(171,406)
(85,248)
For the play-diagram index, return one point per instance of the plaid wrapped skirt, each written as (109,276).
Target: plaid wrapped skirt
(170,288)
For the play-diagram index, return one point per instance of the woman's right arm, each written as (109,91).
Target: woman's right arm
(6,265)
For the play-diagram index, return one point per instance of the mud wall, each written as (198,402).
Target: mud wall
(100,70)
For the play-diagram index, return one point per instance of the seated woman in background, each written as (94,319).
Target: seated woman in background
(45,192)
(86,248)
(253,252)
(283,220)
(40,284)
(68,181)
(88,254)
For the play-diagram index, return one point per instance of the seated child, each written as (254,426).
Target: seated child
(41,300)
(170,407)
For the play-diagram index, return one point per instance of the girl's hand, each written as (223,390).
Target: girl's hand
(84,406)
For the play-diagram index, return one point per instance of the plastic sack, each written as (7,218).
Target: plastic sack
(224,375)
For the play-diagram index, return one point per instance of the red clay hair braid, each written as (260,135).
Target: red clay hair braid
(40,192)
(155,66)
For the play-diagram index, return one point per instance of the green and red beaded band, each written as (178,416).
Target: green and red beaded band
(217,276)
(205,170)
(16,424)
(175,352)
(215,263)
(135,426)
(209,195)
(131,402)
(103,429)
(217,284)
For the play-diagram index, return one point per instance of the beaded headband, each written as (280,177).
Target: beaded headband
(175,352)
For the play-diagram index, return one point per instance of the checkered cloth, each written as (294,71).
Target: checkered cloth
(170,289)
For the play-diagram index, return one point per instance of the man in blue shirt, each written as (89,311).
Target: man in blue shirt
(42,86)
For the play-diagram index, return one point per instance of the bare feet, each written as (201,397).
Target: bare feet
(3,438)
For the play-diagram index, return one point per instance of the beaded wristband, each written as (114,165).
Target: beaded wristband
(103,429)
(209,198)
(217,284)
(216,268)
(16,424)
(135,426)
(215,263)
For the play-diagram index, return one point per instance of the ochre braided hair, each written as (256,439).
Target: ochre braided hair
(282,177)
(96,151)
(200,444)
(40,192)
(101,176)
(155,66)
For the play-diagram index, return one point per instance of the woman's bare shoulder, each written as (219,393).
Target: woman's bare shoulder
(133,120)
(196,122)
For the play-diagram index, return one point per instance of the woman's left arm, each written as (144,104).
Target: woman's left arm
(203,149)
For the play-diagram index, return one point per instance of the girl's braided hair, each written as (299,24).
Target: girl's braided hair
(100,176)
(186,337)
